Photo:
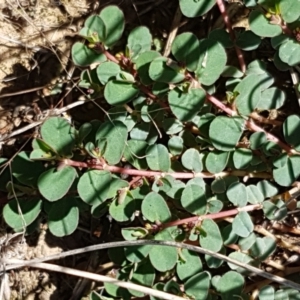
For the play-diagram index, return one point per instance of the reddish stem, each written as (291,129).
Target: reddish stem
(178,175)
(219,215)
(232,35)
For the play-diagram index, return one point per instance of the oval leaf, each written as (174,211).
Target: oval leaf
(63,217)
(225,132)
(193,199)
(185,106)
(54,184)
(19,214)
(155,208)
(210,236)
(157,157)
(242,224)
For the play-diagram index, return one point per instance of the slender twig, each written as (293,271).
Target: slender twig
(178,175)
(102,278)
(227,22)
(14,264)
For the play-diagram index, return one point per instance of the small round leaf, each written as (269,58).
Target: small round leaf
(191,160)
(154,208)
(63,217)
(118,92)
(242,224)
(53,184)
(19,214)
(157,157)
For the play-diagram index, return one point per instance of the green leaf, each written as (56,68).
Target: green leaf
(216,161)
(164,70)
(225,132)
(63,217)
(222,36)
(113,19)
(115,136)
(210,236)
(116,291)
(241,257)
(275,211)
(143,64)
(198,285)
(242,158)
(237,194)
(154,208)
(107,70)
(83,56)
(18,214)
(94,29)
(291,129)
(230,285)
(185,106)
(188,265)
(137,253)
(185,49)
(191,160)
(93,186)
(261,26)
(175,145)
(257,139)
(288,174)
(144,275)
(248,41)
(212,61)
(289,52)
(58,133)
(118,92)
(273,98)
(254,195)
(245,244)
(140,131)
(139,41)
(26,170)
(84,130)
(231,71)
(250,92)
(263,248)
(53,184)
(214,205)
(172,126)
(242,224)
(290,10)
(193,199)
(163,258)
(213,262)
(218,186)
(135,152)
(192,9)
(267,188)
(229,237)
(267,292)
(157,157)
(122,212)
